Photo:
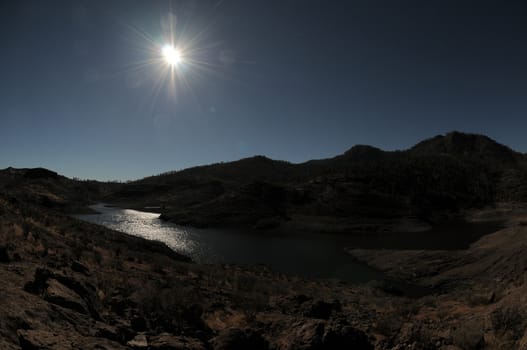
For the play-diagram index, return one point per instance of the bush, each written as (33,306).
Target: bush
(469,335)
(509,320)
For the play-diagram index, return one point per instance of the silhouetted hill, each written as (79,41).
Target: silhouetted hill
(473,146)
(46,187)
(364,188)
(69,282)
(258,168)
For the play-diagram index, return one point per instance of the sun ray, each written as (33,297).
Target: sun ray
(174,58)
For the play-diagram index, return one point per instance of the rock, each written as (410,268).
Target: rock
(167,341)
(321,309)
(192,315)
(39,283)
(38,339)
(106,331)
(78,267)
(342,336)
(491,298)
(5,345)
(292,304)
(86,291)
(138,324)
(300,299)
(390,288)
(302,335)
(61,295)
(237,339)
(302,304)
(42,339)
(4,256)
(120,304)
(470,334)
(89,343)
(139,342)
(124,333)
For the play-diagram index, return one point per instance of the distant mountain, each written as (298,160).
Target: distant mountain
(474,146)
(257,168)
(112,289)
(45,187)
(365,188)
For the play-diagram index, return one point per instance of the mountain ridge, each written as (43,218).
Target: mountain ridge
(448,143)
(363,187)
(439,176)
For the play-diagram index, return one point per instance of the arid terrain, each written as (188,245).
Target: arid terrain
(70,284)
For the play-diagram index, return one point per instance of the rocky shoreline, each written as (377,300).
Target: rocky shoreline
(70,284)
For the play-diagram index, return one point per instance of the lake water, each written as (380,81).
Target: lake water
(308,255)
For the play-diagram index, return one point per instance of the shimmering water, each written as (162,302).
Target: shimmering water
(308,255)
(315,256)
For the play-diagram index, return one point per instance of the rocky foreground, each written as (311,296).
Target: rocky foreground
(364,189)
(69,284)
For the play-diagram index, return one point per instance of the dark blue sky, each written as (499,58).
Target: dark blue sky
(293,80)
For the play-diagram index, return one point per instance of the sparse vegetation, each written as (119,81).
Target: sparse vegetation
(99,287)
(509,320)
(469,335)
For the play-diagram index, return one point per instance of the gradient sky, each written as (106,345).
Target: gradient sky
(80,88)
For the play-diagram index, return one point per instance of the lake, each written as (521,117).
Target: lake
(307,255)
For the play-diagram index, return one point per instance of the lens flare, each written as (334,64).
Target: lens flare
(170,60)
(171,55)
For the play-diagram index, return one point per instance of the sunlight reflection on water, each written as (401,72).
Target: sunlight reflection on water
(149,226)
(305,255)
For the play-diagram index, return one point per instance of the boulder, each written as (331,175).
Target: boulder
(106,331)
(321,309)
(80,268)
(39,339)
(39,283)
(237,339)
(306,334)
(167,341)
(4,256)
(138,323)
(139,342)
(61,295)
(340,335)
(60,340)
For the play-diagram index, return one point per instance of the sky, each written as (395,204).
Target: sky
(85,90)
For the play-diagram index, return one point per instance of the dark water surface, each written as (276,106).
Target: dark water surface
(308,255)
(447,236)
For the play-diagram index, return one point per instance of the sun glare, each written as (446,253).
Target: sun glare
(171,54)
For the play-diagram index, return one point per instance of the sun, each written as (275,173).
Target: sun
(171,55)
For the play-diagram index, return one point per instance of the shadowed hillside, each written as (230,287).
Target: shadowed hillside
(77,285)
(54,191)
(363,189)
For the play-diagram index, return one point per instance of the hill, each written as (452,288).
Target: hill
(71,284)
(365,188)
(45,187)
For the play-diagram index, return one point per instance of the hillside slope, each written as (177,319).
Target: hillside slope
(365,188)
